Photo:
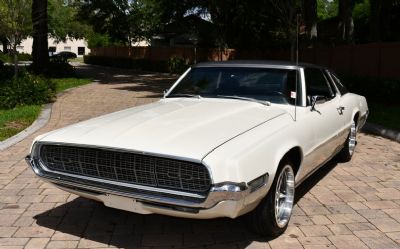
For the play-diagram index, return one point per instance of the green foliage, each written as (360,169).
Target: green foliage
(124,62)
(119,21)
(63,22)
(15,21)
(6,73)
(177,65)
(66,83)
(96,40)
(327,9)
(384,91)
(384,114)
(9,58)
(27,89)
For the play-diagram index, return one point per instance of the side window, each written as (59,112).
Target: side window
(342,89)
(317,84)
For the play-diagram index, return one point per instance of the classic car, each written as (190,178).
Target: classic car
(227,139)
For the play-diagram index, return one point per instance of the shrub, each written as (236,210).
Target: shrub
(60,70)
(6,73)
(374,89)
(177,65)
(27,89)
(24,57)
(10,58)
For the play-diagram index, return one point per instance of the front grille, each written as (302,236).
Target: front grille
(127,167)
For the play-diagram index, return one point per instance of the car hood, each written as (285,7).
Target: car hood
(183,128)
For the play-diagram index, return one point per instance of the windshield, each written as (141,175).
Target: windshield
(265,84)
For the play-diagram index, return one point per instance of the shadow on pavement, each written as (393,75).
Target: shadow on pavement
(139,81)
(99,224)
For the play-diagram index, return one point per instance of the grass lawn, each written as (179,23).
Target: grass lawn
(78,59)
(65,83)
(17,119)
(385,115)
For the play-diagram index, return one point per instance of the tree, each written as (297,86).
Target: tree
(327,9)
(63,21)
(286,12)
(40,53)
(107,17)
(15,24)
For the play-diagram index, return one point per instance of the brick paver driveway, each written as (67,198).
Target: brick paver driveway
(351,205)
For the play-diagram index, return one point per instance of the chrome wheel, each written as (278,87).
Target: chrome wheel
(352,138)
(284,196)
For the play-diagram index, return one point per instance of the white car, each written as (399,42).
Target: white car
(227,139)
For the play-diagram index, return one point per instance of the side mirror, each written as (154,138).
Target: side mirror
(165,92)
(316,99)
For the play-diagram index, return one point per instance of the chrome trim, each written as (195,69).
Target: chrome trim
(36,147)
(117,150)
(300,181)
(218,192)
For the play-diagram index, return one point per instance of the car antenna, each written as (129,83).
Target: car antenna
(297,65)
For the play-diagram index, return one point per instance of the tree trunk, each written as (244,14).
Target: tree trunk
(374,21)
(40,53)
(4,42)
(346,24)
(379,22)
(15,57)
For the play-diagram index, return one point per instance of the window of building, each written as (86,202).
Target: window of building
(67,48)
(81,50)
(52,49)
(20,48)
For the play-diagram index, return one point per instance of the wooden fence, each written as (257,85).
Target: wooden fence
(373,59)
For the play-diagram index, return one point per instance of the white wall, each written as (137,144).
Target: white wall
(68,45)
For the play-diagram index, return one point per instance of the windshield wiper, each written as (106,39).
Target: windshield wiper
(263,102)
(188,95)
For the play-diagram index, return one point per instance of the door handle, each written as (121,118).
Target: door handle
(340,109)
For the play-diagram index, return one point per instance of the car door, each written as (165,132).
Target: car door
(324,119)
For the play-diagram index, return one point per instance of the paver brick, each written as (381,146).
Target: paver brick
(37,243)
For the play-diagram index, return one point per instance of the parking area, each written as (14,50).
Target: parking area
(344,205)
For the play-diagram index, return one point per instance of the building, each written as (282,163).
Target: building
(77,46)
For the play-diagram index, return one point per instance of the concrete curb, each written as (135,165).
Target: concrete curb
(41,121)
(381,131)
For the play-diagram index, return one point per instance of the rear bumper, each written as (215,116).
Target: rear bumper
(223,200)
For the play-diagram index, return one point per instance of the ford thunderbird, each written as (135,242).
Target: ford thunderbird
(227,139)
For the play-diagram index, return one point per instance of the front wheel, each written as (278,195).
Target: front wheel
(272,215)
(347,152)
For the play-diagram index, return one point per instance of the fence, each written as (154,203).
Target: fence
(373,59)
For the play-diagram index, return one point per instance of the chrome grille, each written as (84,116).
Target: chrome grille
(127,167)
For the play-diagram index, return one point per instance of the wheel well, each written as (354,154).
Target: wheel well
(356,118)
(295,156)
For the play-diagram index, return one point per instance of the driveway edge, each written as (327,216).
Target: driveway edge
(381,131)
(41,121)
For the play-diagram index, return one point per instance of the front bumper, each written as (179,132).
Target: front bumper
(223,200)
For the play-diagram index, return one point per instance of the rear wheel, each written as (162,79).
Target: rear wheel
(272,215)
(347,152)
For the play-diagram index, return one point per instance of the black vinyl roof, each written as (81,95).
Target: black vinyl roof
(256,63)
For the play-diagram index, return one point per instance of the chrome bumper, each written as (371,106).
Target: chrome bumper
(238,194)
